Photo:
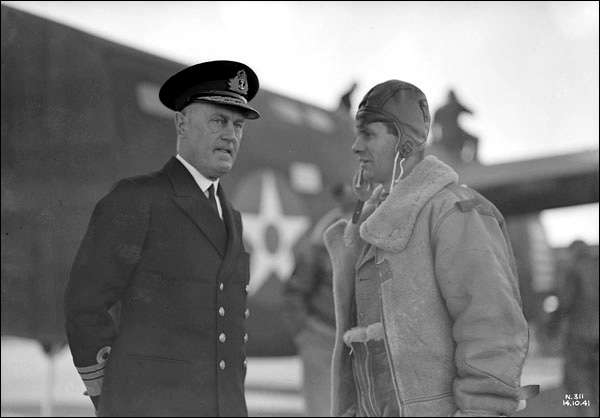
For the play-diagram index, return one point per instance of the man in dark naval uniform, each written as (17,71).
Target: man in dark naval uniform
(166,249)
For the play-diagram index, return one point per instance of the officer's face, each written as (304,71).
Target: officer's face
(375,149)
(209,137)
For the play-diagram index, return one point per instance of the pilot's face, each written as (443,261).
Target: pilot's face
(209,137)
(375,149)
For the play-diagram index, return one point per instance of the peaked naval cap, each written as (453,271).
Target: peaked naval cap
(227,83)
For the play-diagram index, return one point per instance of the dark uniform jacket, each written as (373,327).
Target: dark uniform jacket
(179,274)
(309,291)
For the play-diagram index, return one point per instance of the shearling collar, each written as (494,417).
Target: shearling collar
(390,226)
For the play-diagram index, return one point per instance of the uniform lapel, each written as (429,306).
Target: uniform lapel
(367,253)
(189,197)
(234,240)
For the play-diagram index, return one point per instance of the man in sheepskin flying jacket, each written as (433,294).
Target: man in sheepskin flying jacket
(428,312)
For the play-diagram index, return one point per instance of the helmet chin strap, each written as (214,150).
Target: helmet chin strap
(402,153)
(396,165)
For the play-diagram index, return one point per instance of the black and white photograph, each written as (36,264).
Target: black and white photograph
(294,208)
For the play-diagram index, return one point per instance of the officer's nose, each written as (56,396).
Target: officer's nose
(358,146)
(229,133)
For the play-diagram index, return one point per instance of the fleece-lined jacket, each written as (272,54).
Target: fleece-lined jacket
(453,321)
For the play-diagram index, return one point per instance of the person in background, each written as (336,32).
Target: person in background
(429,319)
(578,306)
(309,307)
(166,248)
(345,104)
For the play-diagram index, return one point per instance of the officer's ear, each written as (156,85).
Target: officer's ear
(180,123)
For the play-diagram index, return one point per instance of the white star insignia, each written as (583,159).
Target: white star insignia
(285,230)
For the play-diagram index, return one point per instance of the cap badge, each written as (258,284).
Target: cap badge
(239,83)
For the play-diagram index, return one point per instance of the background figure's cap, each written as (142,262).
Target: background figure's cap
(227,83)
(401,103)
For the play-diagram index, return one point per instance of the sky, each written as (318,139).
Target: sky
(528,70)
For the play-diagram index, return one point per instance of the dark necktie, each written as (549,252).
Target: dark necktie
(211,198)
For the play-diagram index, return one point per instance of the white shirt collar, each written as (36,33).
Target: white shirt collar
(201,181)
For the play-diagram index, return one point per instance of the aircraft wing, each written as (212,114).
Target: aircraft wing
(528,186)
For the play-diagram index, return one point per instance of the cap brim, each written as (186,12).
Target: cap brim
(248,111)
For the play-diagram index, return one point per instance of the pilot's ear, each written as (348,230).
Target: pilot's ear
(180,123)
